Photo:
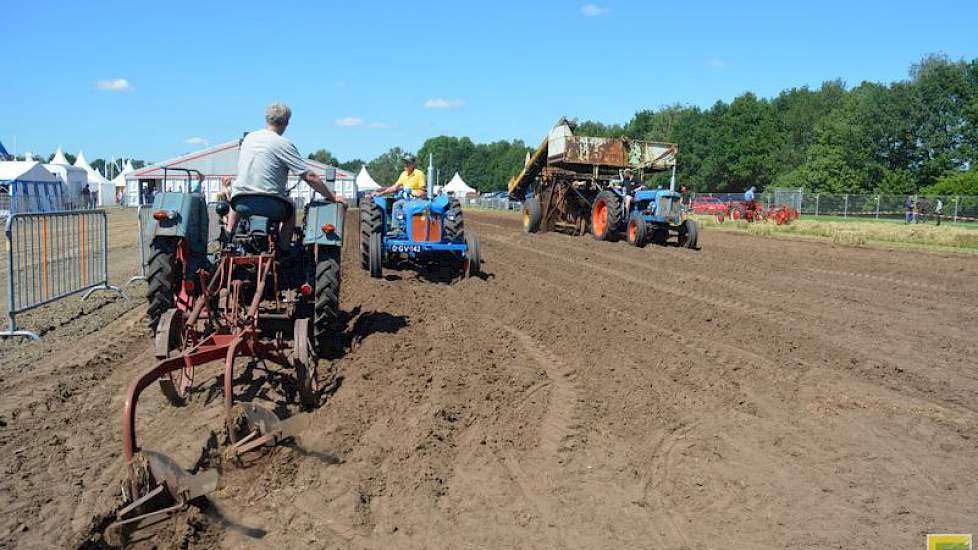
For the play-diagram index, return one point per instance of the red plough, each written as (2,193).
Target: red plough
(247,305)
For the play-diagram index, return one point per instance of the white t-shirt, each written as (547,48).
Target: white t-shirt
(264,163)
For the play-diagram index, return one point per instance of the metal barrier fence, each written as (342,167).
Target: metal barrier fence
(962,208)
(496,203)
(52,255)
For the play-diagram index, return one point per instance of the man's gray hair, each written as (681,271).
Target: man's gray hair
(278,114)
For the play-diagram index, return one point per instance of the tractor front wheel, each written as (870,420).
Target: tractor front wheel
(604,215)
(532,215)
(376,255)
(637,230)
(371,222)
(164,276)
(327,304)
(689,235)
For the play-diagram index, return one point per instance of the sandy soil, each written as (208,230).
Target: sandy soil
(755,394)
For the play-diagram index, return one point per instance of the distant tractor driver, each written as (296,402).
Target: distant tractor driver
(264,163)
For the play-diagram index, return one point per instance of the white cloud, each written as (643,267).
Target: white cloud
(593,10)
(439,103)
(196,140)
(117,85)
(379,125)
(349,121)
(715,63)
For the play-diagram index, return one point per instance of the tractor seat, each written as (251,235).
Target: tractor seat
(273,207)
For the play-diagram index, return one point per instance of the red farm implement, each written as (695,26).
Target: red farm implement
(252,302)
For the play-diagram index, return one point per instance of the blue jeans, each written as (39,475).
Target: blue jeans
(397,211)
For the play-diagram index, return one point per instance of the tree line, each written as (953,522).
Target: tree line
(918,135)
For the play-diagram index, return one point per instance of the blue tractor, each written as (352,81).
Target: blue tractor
(645,215)
(425,233)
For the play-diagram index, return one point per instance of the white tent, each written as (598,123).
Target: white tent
(458,187)
(96,182)
(119,182)
(59,158)
(74,179)
(364,181)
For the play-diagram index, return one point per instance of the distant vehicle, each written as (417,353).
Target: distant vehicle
(708,205)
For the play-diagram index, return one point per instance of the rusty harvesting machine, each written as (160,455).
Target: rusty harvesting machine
(577,184)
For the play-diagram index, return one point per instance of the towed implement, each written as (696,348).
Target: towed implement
(574,184)
(247,299)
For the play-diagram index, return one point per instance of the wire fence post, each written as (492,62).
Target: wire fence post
(877,207)
(845,211)
(957,199)
(817,195)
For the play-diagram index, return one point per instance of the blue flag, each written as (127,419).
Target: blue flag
(4,155)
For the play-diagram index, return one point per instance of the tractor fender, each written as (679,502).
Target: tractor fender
(320,214)
(189,219)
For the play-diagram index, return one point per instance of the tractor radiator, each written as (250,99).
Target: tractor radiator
(667,207)
(426,228)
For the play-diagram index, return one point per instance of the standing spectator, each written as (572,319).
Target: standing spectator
(86,197)
(908,206)
(923,207)
(938,210)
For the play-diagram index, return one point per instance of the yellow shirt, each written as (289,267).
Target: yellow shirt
(415,182)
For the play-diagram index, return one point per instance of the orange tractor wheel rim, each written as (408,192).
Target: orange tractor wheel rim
(632,231)
(526,217)
(599,220)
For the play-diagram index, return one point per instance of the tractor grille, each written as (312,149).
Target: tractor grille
(426,229)
(667,207)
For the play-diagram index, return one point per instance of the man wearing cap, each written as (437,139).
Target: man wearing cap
(410,180)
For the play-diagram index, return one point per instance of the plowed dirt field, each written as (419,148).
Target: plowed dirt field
(754,394)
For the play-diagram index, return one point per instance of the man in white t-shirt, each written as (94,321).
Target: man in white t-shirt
(264,163)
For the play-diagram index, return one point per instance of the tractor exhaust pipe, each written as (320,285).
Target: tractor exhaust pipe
(672,180)
(431,175)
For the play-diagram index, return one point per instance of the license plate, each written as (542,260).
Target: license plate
(406,248)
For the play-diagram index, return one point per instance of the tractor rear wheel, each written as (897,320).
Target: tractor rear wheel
(454,224)
(164,276)
(636,230)
(473,256)
(304,361)
(371,222)
(689,235)
(327,305)
(604,215)
(532,215)
(376,255)
(170,334)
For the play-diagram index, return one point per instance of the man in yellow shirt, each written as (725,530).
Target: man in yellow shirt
(410,180)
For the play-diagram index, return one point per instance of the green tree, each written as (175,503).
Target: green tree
(323,156)
(386,167)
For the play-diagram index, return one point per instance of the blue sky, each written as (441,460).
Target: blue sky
(155,79)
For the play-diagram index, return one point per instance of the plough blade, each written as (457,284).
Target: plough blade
(266,428)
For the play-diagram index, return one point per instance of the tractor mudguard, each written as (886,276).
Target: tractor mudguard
(320,214)
(188,219)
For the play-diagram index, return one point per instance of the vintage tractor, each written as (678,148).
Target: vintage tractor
(246,299)
(425,233)
(653,215)
(570,183)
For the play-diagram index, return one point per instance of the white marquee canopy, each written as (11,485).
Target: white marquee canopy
(457,186)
